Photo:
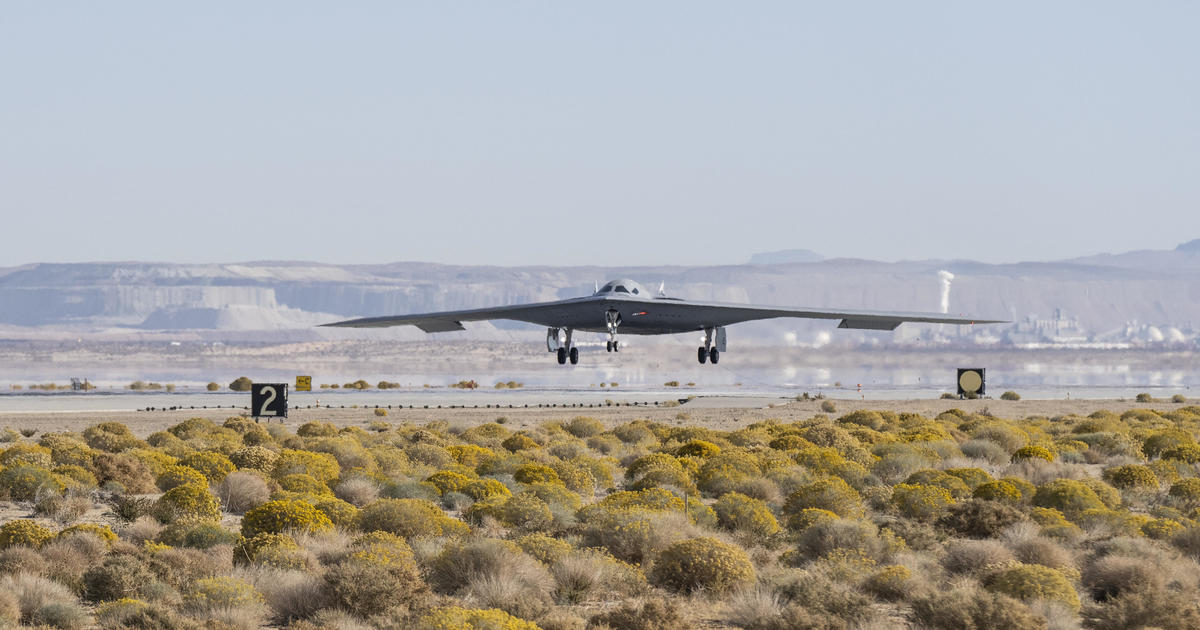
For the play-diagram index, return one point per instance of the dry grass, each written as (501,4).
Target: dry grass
(357,491)
(242,490)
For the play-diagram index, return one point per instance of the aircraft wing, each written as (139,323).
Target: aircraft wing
(709,314)
(446,321)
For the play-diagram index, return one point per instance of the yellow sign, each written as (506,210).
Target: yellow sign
(304,383)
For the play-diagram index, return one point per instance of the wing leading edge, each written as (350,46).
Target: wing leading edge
(685,315)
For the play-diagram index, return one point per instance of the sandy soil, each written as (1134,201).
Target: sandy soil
(717,413)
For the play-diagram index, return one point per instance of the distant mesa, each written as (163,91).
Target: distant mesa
(786,256)
(1190,247)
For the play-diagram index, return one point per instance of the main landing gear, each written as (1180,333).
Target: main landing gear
(564,351)
(709,351)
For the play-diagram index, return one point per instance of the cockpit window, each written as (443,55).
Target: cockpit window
(635,291)
(621,289)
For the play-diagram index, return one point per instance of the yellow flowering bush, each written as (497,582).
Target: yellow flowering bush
(212,465)
(536,473)
(24,532)
(738,512)
(177,475)
(1131,477)
(321,466)
(278,516)
(921,502)
(1032,581)
(408,518)
(258,458)
(831,494)
(702,564)
(188,501)
(458,618)
(448,481)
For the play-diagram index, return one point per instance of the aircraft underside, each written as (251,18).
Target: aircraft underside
(560,339)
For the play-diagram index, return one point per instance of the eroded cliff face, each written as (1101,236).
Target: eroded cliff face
(282,296)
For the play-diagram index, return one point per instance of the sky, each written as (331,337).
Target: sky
(615,133)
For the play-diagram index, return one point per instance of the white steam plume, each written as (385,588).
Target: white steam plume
(944,277)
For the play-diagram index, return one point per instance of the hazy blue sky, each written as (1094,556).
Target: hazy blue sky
(608,133)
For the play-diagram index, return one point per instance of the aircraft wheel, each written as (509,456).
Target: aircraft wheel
(574,356)
(702,354)
(616,346)
(609,346)
(714,356)
(562,356)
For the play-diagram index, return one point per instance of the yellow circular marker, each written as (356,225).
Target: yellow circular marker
(970,381)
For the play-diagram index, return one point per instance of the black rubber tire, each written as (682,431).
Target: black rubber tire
(714,356)
(702,354)
(574,354)
(562,356)
(608,346)
(616,346)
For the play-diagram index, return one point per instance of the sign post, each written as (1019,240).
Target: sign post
(971,382)
(304,383)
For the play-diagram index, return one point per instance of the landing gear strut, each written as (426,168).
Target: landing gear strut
(709,351)
(564,350)
(612,319)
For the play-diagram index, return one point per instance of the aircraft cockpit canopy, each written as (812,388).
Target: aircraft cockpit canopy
(623,287)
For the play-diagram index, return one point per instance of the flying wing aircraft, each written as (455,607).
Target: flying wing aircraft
(626,306)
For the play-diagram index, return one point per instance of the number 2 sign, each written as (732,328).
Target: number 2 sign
(268,400)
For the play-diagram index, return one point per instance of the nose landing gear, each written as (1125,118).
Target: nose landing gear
(612,319)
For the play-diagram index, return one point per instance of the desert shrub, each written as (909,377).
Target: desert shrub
(740,513)
(545,549)
(518,442)
(26,454)
(577,477)
(187,502)
(457,618)
(214,466)
(921,502)
(654,614)
(957,488)
(448,481)
(103,532)
(1146,607)
(242,490)
(1131,477)
(1031,581)
(112,437)
(536,473)
(975,556)
(177,475)
(21,559)
(633,535)
(999,490)
(980,519)
(584,427)
(1189,453)
(972,609)
(527,512)
(357,491)
(826,536)
(119,576)
(303,484)
(831,494)
(1110,576)
(1010,395)
(702,563)
(255,458)
(1068,496)
(219,598)
(379,573)
(342,514)
(23,532)
(131,473)
(1186,491)
(274,517)
(197,535)
(986,450)
(1028,452)
(698,448)
(1108,495)
(24,483)
(321,466)
(408,518)
(724,471)
(481,489)
(890,583)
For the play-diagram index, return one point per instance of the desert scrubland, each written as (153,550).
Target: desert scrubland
(920,514)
